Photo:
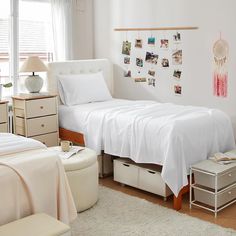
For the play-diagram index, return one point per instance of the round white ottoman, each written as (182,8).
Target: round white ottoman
(82,173)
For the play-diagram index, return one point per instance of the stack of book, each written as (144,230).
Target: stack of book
(224,158)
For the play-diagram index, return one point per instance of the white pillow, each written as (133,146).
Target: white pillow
(82,88)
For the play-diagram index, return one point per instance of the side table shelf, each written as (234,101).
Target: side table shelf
(212,185)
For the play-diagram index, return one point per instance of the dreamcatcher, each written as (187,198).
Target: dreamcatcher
(220,51)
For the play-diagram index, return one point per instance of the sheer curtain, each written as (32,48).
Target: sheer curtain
(63,22)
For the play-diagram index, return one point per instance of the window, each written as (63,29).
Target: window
(31,34)
(35,33)
(5,74)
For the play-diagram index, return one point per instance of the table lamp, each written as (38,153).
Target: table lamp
(33,64)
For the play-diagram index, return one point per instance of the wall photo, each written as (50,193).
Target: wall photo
(164,43)
(177,74)
(138,43)
(178,89)
(126,47)
(151,57)
(151,41)
(139,62)
(126,60)
(177,57)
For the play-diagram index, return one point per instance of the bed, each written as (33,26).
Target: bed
(32,180)
(165,134)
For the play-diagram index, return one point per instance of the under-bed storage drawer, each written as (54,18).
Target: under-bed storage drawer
(152,181)
(126,173)
(130,173)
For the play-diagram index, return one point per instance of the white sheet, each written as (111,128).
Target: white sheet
(10,143)
(171,135)
(31,182)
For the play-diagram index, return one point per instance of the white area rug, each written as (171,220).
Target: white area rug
(117,213)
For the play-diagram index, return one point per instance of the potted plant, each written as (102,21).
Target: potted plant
(7,85)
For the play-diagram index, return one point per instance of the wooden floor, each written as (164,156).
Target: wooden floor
(225,218)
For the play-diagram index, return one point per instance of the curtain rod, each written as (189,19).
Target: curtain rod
(159,28)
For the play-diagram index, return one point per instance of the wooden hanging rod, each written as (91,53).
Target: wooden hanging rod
(160,28)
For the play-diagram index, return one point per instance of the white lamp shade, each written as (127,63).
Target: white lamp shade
(33,64)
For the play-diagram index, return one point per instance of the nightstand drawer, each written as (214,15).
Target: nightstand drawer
(223,180)
(49,140)
(3,128)
(209,198)
(41,107)
(3,113)
(42,125)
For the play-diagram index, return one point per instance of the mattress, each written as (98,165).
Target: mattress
(170,135)
(34,181)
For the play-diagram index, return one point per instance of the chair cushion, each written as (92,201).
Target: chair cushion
(36,225)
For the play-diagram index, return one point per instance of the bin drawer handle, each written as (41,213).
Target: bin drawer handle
(126,165)
(151,172)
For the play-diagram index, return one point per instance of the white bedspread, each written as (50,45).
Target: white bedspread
(171,135)
(33,181)
(10,143)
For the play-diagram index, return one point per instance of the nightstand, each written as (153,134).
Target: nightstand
(214,185)
(3,117)
(36,116)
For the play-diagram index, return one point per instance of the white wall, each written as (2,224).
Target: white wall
(211,16)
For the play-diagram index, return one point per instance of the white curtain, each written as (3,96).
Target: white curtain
(63,22)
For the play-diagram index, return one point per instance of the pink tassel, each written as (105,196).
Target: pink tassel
(220,84)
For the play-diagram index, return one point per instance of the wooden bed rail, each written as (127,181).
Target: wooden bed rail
(72,136)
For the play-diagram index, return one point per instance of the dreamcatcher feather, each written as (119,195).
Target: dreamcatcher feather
(220,79)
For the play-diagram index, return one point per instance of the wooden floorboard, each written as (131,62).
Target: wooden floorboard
(225,218)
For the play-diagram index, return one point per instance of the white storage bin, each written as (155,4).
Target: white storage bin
(137,175)
(152,181)
(126,173)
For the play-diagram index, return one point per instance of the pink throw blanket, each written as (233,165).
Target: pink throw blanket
(31,182)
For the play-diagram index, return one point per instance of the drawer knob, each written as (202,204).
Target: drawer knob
(41,107)
(42,125)
(230,175)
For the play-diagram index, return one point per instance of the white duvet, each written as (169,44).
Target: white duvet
(171,135)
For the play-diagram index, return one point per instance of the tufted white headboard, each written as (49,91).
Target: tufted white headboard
(79,67)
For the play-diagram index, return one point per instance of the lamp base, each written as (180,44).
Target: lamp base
(34,83)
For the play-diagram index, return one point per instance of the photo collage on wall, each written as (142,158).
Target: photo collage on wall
(146,57)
